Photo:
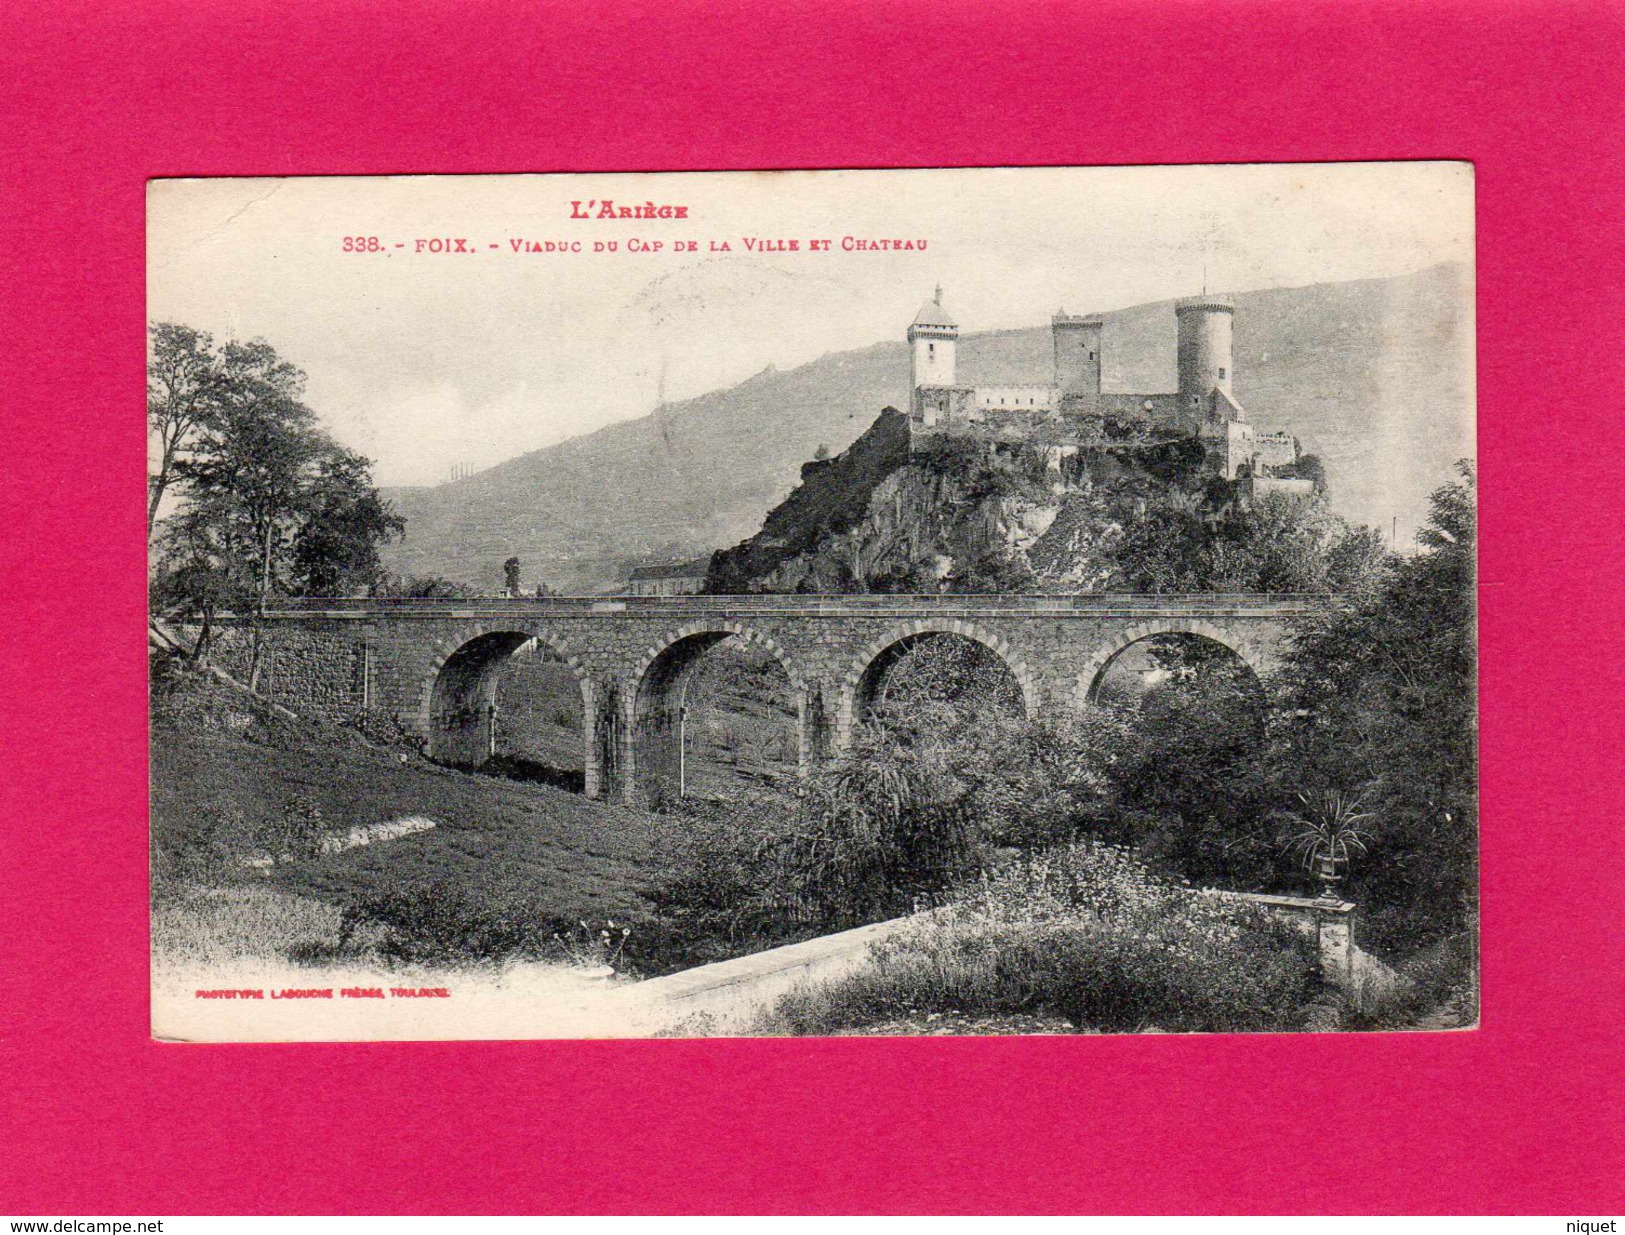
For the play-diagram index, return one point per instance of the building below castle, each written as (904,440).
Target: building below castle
(669,578)
(1071,408)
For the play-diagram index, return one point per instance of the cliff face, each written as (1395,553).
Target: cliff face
(834,497)
(954,515)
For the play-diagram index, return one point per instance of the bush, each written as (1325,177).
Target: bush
(384,728)
(296,833)
(1086,932)
(1439,985)
(438,921)
(207,851)
(515,767)
(859,841)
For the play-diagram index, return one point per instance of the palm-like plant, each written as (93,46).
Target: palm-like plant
(1326,833)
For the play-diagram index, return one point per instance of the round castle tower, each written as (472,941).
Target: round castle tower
(1077,354)
(1205,360)
(931,340)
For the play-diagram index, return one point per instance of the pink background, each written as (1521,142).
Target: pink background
(1522,1116)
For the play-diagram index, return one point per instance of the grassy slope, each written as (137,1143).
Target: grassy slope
(539,713)
(587,859)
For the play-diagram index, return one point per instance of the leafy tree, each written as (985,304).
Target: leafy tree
(1162,547)
(1184,764)
(248,475)
(190,581)
(184,378)
(1307,467)
(336,550)
(1380,696)
(510,576)
(960,674)
(269,504)
(1279,544)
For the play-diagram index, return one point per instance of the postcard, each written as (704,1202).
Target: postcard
(916,602)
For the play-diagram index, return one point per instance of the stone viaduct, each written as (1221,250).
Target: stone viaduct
(433,665)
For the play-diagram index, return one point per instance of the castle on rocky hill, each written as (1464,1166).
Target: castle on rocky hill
(1071,408)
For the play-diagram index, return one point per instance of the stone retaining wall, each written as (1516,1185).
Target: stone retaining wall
(311,669)
(1329,922)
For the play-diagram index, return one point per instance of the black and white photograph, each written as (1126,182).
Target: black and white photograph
(1002,601)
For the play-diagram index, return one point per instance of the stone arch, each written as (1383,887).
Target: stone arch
(671,638)
(1254,657)
(447,646)
(846,715)
(641,682)
(500,640)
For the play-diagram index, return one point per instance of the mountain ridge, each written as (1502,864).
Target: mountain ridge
(1373,375)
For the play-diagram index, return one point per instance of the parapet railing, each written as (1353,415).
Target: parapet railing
(807,604)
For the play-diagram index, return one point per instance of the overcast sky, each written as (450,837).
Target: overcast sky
(423,361)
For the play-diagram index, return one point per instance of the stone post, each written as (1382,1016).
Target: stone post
(1334,920)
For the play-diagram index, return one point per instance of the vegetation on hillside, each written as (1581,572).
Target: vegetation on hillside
(1133,511)
(834,495)
(235,783)
(1059,856)
(1083,931)
(1376,374)
(1200,774)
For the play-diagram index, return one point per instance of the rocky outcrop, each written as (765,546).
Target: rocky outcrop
(948,515)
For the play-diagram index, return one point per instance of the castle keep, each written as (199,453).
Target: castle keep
(1071,408)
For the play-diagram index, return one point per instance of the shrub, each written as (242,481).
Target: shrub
(384,728)
(1087,932)
(207,851)
(1438,986)
(437,921)
(515,767)
(296,833)
(859,841)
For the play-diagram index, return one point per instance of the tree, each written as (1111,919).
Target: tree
(269,503)
(1162,547)
(184,378)
(1280,544)
(510,576)
(190,581)
(1307,467)
(336,549)
(1381,694)
(1184,762)
(251,465)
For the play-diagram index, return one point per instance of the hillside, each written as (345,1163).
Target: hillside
(1374,376)
(1128,512)
(224,767)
